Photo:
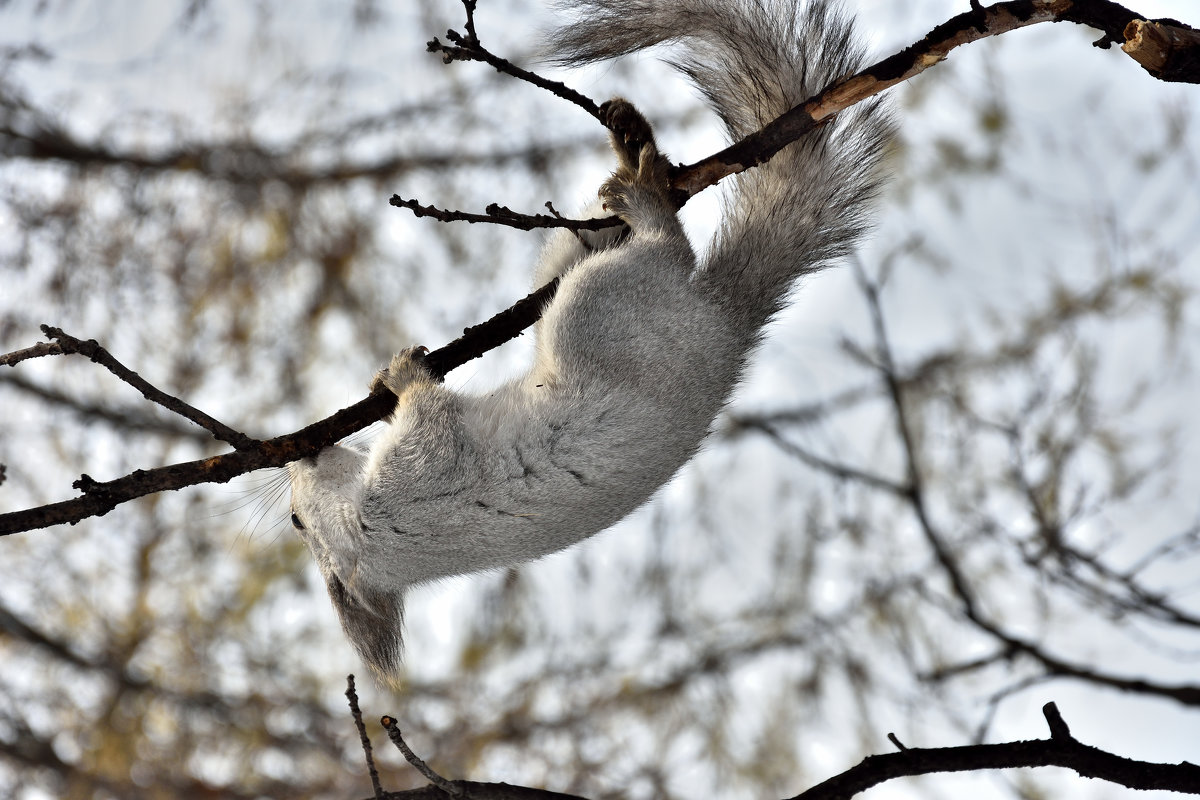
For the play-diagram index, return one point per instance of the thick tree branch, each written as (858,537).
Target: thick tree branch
(1168,51)
(971,26)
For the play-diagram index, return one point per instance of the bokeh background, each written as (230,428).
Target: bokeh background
(202,186)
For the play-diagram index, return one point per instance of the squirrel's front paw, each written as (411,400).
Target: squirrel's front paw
(406,367)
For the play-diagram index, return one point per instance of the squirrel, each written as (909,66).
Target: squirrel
(641,346)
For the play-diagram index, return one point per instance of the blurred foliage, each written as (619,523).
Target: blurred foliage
(961,473)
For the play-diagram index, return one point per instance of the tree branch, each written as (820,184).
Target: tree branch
(971,26)
(92,349)
(363,739)
(502,215)
(916,496)
(137,421)
(392,727)
(99,498)
(1060,750)
(467,47)
(1167,49)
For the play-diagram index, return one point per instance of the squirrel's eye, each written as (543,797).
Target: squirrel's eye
(296,523)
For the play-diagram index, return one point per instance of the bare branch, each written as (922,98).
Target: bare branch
(92,349)
(125,419)
(31,134)
(35,351)
(1061,750)
(393,732)
(1176,42)
(356,713)
(504,216)
(1168,51)
(483,791)
(916,496)
(836,469)
(976,24)
(468,48)
(101,497)
(1058,726)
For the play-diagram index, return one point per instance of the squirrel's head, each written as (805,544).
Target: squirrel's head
(326,498)
(326,493)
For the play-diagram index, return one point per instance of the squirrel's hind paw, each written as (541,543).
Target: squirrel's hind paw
(629,131)
(640,182)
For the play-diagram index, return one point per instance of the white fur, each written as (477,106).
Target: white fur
(636,354)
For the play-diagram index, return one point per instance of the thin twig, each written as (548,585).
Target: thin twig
(365,740)
(92,349)
(965,667)
(502,215)
(137,420)
(915,495)
(838,470)
(468,48)
(393,732)
(36,351)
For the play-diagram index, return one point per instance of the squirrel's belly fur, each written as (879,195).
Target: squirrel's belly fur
(641,346)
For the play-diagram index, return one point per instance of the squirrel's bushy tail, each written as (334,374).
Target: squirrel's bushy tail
(754,60)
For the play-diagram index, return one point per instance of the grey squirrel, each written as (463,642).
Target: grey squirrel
(641,346)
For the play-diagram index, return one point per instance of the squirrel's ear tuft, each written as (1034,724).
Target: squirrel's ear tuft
(373,624)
